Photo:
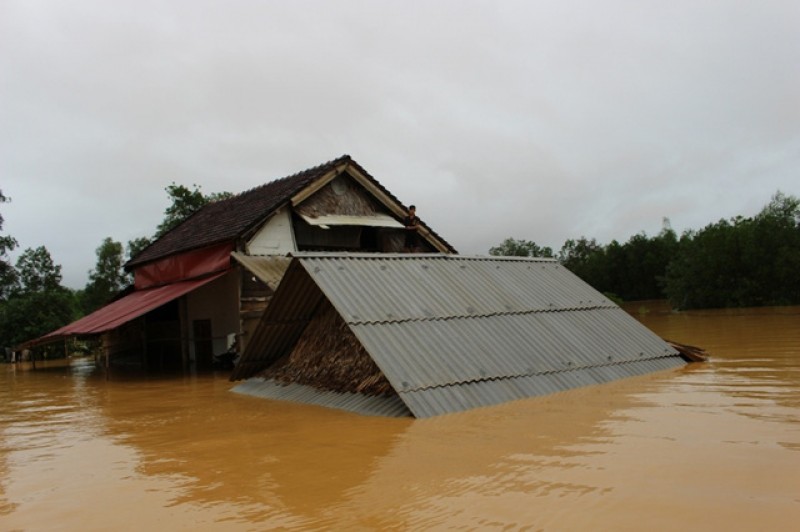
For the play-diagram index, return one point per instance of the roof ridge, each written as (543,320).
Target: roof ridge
(255,202)
(311,170)
(371,255)
(609,306)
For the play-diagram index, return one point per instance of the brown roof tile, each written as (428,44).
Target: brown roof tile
(229,219)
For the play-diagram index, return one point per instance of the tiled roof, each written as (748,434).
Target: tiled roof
(452,332)
(232,218)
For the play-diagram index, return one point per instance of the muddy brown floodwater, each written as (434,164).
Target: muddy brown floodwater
(714,446)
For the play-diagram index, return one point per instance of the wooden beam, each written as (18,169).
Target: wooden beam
(396,209)
(376,192)
(318,184)
(386,200)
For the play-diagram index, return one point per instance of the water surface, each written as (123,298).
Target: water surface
(714,446)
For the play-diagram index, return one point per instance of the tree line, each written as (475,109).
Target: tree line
(733,262)
(33,301)
(737,262)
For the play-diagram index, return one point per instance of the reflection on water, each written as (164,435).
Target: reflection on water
(712,446)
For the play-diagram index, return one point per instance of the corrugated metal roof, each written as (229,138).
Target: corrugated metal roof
(269,270)
(451,351)
(467,395)
(127,308)
(454,332)
(395,287)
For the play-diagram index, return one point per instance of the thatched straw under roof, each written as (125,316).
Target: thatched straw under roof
(328,356)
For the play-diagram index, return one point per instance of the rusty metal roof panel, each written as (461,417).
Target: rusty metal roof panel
(391,406)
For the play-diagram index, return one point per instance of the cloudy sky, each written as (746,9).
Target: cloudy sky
(539,120)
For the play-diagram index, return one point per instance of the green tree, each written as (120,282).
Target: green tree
(8,275)
(511,247)
(185,202)
(27,316)
(732,263)
(586,259)
(579,251)
(107,278)
(39,304)
(37,272)
(782,207)
(635,270)
(741,261)
(137,245)
(777,235)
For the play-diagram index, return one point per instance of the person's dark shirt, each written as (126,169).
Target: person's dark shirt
(411,240)
(411,221)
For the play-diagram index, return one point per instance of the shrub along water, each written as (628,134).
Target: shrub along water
(732,263)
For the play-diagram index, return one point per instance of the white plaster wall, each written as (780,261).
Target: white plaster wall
(217,301)
(276,237)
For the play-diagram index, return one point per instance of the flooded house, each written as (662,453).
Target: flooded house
(309,278)
(201,288)
(428,334)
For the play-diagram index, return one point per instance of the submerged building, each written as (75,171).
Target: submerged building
(304,277)
(424,335)
(201,288)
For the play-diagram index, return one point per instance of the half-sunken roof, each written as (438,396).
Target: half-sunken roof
(232,218)
(452,333)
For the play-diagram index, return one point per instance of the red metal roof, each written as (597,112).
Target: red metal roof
(126,309)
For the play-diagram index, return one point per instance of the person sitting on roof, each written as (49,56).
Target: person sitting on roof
(411,223)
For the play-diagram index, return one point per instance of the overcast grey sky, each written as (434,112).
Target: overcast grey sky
(539,120)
